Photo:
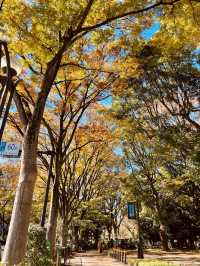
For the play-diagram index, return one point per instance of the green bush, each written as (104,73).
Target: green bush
(38,248)
(150,262)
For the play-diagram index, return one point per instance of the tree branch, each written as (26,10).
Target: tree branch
(85,14)
(133,12)
(1,6)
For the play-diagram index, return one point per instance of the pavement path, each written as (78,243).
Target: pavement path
(93,258)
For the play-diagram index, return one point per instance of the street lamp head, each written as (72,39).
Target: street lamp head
(15,66)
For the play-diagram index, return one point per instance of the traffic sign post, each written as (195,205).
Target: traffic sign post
(10,149)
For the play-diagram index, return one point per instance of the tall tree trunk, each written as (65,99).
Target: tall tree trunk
(44,210)
(163,234)
(53,216)
(17,235)
(65,232)
(109,233)
(76,237)
(140,251)
(164,238)
(16,240)
(54,207)
(115,229)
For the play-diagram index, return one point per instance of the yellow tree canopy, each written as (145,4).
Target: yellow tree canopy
(36,28)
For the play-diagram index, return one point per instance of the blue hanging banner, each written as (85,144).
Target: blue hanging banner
(132,210)
(2,146)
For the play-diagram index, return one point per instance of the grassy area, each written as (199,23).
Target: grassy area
(150,262)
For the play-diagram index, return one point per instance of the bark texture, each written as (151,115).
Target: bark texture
(65,231)
(53,216)
(164,238)
(16,240)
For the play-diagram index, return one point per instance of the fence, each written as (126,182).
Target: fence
(119,254)
(63,253)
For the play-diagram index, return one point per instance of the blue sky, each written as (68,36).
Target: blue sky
(149,32)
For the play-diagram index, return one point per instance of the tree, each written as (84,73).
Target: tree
(71,103)
(42,33)
(159,117)
(80,175)
(101,205)
(115,206)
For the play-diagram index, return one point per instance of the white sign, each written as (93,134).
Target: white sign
(10,149)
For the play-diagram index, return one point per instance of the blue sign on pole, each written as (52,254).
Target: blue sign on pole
(9,149)
(132,211)
(2,146)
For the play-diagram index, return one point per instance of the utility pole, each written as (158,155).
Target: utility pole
(140,251)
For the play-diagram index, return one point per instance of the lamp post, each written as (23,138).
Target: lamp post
(133,213)
(10,68)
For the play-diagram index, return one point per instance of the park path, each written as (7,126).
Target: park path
(93,258)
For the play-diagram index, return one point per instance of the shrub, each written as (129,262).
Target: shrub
(38,248)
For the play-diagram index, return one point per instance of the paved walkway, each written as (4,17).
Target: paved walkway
(93,258)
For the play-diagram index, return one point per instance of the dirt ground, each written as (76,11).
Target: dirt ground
(93,258)
(185,258)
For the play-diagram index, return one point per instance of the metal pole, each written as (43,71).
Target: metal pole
(140,239)
(43,217)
